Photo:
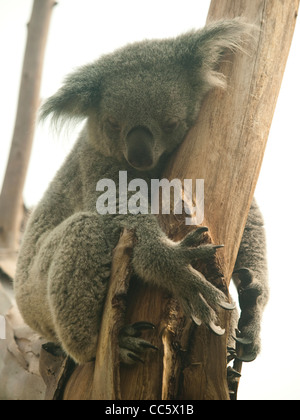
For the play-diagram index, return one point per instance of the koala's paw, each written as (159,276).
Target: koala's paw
(199,297)
(248,331)
(130,343)
(233,377)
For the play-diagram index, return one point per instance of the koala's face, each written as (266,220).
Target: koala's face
(143,117)
(141,100)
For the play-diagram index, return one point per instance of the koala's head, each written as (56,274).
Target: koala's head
(141,100)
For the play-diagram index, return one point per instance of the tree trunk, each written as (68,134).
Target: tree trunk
(225,148)
(11,206)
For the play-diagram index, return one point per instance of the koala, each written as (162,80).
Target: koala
(138,103)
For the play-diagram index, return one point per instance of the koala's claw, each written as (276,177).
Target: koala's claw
(231,354)
(249,357)
(202,252)
(243,340)
(196,319)
(133,358)
(193,238)
(190,244)
(249,352)
(232,373)
(131,346)
(216,329)
(137,328)
(233,377)
(226,305)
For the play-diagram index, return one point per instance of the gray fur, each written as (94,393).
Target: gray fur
(139,102)
(252,255)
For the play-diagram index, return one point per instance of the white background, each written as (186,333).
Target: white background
(81,30)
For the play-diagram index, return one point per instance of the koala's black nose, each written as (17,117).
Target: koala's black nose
(139,142)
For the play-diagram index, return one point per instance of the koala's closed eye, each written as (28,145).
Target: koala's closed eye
(170,125)
(113,124)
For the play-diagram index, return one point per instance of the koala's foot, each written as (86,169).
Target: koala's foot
(199,297)
(233,377)
(248,331)
(168,264)
(131,345)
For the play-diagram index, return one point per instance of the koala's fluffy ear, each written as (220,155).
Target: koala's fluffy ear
(207,46)
(79,94)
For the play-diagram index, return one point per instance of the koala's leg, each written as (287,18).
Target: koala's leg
(251,278)
(79,259)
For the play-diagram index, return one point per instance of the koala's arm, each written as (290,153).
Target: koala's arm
(161,261)
(251,278)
